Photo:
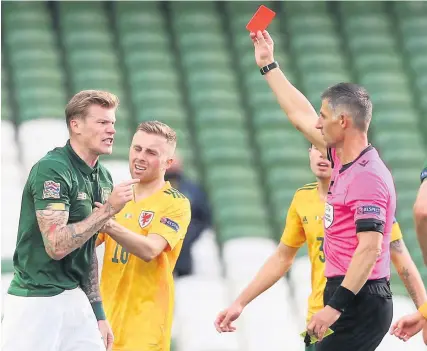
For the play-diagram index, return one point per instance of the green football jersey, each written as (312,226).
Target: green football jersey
(63,181)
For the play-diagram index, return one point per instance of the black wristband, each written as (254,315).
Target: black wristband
(269,67)
(341,299)
(98,310)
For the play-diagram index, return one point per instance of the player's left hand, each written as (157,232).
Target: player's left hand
(321,321)
(408,326)
(107,334)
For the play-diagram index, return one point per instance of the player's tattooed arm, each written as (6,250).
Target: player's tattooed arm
(91,287)
(61,238)
(408,272)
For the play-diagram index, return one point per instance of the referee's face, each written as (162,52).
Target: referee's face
(329,126)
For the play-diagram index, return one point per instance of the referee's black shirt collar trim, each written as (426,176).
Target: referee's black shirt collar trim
(82,165)
(347,165)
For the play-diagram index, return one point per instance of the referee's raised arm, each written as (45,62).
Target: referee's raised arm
(296,106)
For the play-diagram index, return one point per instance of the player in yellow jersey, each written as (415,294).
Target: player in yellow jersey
(304,223)
(142,246)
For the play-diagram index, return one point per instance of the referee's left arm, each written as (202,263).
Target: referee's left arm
(369,205)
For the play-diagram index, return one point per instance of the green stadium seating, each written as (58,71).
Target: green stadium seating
(38,80)
(191,65)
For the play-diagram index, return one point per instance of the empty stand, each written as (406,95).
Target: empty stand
(152,71)
(93,60)
(282,150)
(33,55)
(219,119)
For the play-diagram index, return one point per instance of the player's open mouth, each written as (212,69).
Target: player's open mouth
(140,168)
(323,165)
(108,141)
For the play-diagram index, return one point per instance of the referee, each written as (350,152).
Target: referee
(359,212)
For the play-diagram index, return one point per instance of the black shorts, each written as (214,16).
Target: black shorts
(365,322)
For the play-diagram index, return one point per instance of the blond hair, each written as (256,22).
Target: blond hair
(79,104)
(158,128)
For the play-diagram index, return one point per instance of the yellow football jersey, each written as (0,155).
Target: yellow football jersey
(304,223)
(138,295)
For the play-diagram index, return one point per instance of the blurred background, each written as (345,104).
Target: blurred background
(191,65)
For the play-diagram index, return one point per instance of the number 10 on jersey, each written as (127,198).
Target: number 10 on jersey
(124,255)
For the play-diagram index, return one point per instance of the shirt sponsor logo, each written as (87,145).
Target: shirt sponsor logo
(145,218)
(329,215)
(364,163)
(81,196)
(368,209)
(51,190)
(170,223)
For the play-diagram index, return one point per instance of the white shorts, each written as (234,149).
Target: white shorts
(64,322)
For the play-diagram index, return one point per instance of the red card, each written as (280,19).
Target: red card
(261,20)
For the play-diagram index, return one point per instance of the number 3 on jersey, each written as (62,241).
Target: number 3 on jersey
(321,255)
(124,255)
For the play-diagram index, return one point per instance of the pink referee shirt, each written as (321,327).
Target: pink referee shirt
(363,191)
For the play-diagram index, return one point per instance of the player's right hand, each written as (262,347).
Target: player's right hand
(223,322)
(122,194)
(264,48)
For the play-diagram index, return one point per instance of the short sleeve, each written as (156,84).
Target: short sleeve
(172,223)
(51,186)
(100,239)
(367,198)
(423,175)
(293,234)
(396,233)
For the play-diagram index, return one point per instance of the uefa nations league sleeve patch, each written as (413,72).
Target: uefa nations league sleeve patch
(51,190)
(170,223)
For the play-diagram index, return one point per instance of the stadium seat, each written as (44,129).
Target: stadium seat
(11,205)
(35,61)
(8,142)
(206,256)
(49,133)
(243,257)
(269,320)
(198,300)
(119,170)
(300,280)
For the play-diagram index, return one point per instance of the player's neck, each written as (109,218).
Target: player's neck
(88,157)
(144,190)
(352,147)
(323,187)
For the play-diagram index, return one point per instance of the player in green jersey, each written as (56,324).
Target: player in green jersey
(54,296)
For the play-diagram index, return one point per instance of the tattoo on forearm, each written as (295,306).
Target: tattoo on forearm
(91,287)
(397,246)
(59,238)
(406,278)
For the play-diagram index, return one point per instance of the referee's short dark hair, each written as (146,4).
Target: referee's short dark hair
(351,99)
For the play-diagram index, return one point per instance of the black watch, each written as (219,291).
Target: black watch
(269,67)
